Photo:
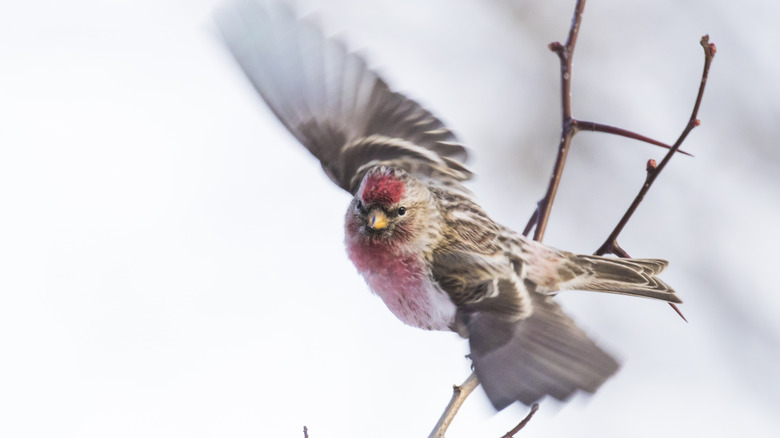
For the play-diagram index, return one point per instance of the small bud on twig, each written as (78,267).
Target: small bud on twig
(651,165)
(709,48)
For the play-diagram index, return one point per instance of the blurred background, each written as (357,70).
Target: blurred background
(159,277)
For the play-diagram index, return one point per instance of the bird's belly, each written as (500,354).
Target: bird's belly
(407,290)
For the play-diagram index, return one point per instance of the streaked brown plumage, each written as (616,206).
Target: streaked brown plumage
(414,231)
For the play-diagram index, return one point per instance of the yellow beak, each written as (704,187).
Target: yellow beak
(377,219)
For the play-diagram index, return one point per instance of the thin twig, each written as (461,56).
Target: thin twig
(511,433)
(459,395)
(582,125)
(565,54)
(531,222)
(610,246)
(305,432)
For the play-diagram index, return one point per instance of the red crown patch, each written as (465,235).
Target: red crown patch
(382,188)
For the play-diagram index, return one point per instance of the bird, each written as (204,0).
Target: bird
(414,231)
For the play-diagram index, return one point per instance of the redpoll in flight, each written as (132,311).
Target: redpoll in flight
(414,232)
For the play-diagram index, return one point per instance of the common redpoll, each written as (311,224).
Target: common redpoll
(414,231)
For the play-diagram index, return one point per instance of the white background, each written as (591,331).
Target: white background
(172,264)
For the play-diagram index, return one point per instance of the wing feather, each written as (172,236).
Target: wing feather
(542,354)
(329,99)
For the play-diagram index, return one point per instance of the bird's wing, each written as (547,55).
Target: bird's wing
(542,354)
(471,263)
(332,102)
(523,346)
(481,282)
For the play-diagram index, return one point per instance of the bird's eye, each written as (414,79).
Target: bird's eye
(401,211)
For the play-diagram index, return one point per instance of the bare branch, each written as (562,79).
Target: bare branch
(565,54)
(459,395)
(531,221)
(654,170)
(582,125)
(511,433)
(709,53)
(610,246)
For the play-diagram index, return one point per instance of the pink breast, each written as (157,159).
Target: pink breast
(403,283)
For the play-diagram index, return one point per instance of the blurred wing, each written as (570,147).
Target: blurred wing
(331,102)
(542,354)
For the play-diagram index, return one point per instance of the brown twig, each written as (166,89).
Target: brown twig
(459,395)
(565,54)
(610,245)
(653,171)
(571,126)
(511,433)
(582,125)
(531,222)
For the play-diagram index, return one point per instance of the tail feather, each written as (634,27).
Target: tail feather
(552,270)
(636,277)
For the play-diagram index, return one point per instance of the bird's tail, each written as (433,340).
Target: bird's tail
(552,270)
(638,277)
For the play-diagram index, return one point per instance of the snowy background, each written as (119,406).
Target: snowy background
(161,274)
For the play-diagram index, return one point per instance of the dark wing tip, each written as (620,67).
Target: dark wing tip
(526,360)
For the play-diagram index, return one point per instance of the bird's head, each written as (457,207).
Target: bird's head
(390,207)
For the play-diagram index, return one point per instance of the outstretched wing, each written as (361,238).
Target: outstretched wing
(331,102)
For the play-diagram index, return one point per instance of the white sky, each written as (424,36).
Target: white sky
(171,262)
